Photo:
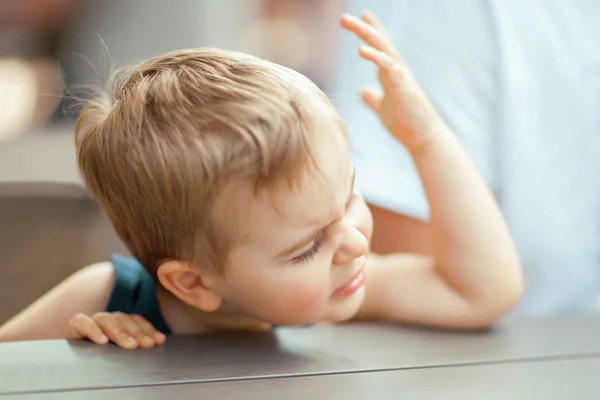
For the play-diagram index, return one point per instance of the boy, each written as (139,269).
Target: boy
(229,179)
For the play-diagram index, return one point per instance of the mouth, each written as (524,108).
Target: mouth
(351,285)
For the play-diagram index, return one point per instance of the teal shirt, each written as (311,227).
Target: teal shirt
(134,292)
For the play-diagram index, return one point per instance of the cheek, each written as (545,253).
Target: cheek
(308,296)
(300,298)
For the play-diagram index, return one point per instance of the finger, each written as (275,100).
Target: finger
(367,33)
(85,328)
(115,330)
(392,75)
(379,58)
(158,337)
(372,97)
(135,330)
(372,20)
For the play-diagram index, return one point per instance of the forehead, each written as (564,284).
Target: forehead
(319,191)
(277,213)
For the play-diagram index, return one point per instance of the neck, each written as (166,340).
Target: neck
(185,319)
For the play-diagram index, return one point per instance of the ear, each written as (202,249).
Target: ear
(188,286)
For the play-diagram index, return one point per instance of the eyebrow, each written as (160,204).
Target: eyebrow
(309,238)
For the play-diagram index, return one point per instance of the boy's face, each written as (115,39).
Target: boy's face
(303,251)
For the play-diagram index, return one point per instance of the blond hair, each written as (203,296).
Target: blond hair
(156,153)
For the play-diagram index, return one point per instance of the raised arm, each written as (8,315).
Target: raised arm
(473,275)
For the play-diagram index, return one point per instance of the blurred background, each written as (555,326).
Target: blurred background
(518,81)
(48,48)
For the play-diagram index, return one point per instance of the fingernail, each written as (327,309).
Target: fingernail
(104,339)
(159,335)
(145,341)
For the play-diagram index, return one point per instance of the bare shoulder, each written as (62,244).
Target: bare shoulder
(92,284)
(100,273)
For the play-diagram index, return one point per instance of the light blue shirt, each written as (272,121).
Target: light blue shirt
(519,83)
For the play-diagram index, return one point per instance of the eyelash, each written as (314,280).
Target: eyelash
(310,253)
(314,250)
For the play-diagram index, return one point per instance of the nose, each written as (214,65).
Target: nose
(353,244)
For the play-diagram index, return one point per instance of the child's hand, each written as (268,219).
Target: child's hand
(126,331)
(403,107)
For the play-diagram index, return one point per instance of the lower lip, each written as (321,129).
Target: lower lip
(351,286)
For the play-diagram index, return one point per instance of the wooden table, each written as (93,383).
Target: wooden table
(521,359)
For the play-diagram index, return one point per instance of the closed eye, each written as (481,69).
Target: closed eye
(314,250)
(310,253)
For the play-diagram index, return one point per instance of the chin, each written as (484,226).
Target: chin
(345,309)
(295,322)
(292,320)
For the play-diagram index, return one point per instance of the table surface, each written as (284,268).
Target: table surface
(561,355)
(558,379)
